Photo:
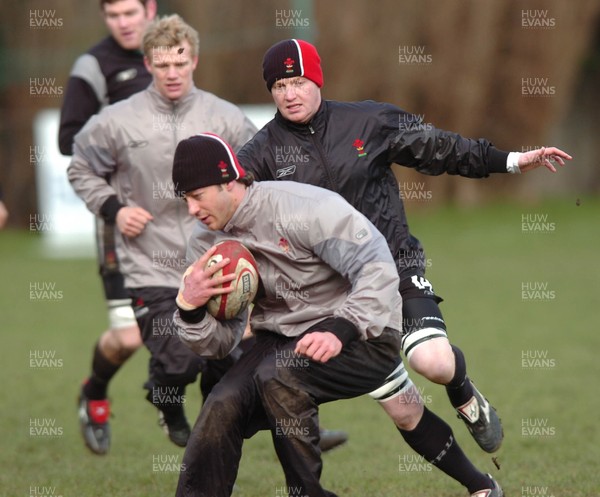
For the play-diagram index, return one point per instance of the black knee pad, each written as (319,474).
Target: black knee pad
(421,321)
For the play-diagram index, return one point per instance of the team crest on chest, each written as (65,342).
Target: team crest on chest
(284,245)
(359,145)
(126,75)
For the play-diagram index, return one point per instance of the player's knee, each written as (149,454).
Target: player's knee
(433,358)
(109,346)
(130,338)
(436,368)
(409,417)
(223,408)
(119,344)
(267,380)
(123,338)
(405,409)
(278,386)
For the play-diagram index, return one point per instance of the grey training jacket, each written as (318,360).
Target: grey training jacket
(127,150)
(318,258)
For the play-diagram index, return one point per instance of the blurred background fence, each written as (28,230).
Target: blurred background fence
(522,73)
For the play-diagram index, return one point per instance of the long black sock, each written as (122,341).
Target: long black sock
(459,389)
(102,372)
(433,439)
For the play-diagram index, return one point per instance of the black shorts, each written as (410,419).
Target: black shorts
(416,285)
(108,262)
(171,362)
(120,313)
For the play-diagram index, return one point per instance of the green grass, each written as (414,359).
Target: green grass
(479,260)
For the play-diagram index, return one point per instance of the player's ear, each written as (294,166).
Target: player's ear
(151,9)
(147,64)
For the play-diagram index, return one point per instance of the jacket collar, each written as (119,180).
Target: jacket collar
(244,216)
(166,105)
(115,47)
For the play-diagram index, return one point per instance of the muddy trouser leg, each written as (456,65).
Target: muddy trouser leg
(230,413)
(291,388)
(215,369)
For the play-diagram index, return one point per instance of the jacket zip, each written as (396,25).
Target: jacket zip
(179,204)
(319,147)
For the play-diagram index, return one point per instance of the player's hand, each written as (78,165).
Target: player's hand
(542,157)
(320,346)
(3,214)
(199,284)
(131,221)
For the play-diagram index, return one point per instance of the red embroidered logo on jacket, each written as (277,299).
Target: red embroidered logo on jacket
(289,65)
(359,146)
(284,245)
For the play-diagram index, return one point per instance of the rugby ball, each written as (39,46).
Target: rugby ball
(245,285)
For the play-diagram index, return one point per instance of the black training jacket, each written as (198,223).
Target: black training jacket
(106,74)
(348,147)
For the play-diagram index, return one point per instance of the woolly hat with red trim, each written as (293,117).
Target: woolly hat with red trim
(291,58)
(204,160)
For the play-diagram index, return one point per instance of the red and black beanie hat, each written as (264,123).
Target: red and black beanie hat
(204,160)
(291,58)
